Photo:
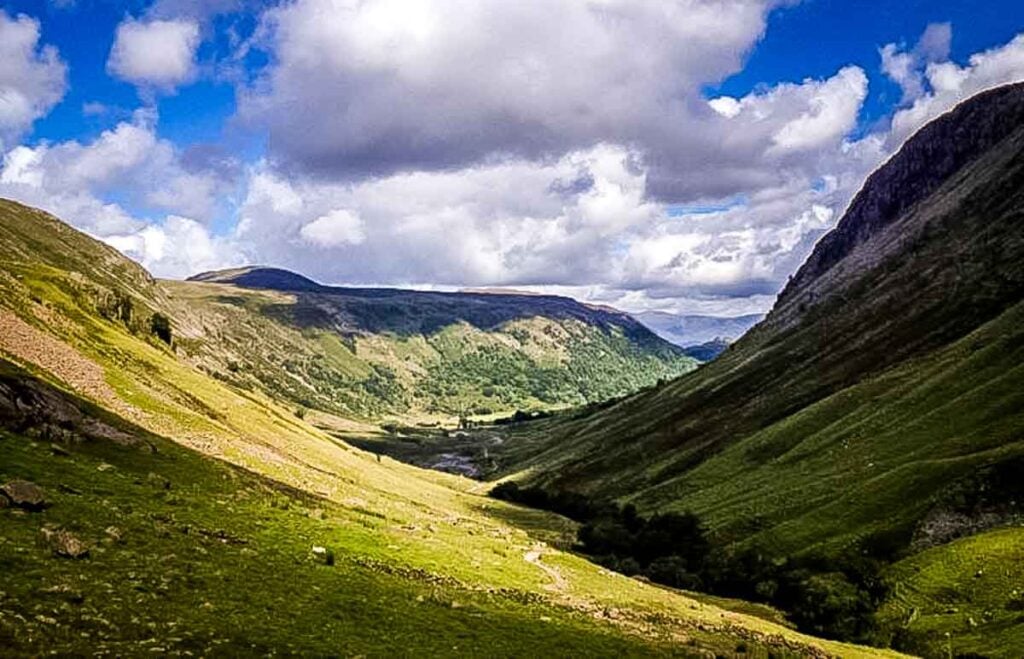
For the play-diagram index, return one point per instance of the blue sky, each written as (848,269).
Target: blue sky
(816,37)
(435,145)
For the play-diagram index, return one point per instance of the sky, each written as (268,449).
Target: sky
(681,155)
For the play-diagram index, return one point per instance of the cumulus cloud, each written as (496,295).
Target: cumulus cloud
(337,228)
(76,180)
(947,83)
(176,248)
(513,222)
(798,117)
(906,67)
(32,77)
(157,54)
(387,86)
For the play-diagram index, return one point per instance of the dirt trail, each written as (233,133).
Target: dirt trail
(558,582)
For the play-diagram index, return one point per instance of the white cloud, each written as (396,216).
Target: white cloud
(176,248)
(337,228)
(156,54)
(393,86)
(74,180)
(906,67)
(832,113)
(726,106)
(949,83)
(32,77)
(510,222)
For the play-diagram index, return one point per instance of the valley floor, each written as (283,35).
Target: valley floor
(189,555)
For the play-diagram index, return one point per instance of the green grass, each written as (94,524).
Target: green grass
(221,561)
(972,588)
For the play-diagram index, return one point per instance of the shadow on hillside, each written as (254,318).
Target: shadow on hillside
(409,313)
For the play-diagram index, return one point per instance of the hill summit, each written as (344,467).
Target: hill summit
(259,277)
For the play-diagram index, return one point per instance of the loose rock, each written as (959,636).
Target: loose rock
(25,495)
(63,543)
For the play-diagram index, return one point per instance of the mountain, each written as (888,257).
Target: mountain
(373,353)
(260,277)
(693,330)
(149,507)
(878,410)
(705,352)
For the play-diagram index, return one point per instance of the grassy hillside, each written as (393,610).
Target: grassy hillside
(200,504)
(961,598)
(883,390)
(373,353)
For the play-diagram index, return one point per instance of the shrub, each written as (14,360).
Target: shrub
(829,605)
(507,491)
(673,571)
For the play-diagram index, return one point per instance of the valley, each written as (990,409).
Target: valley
(190,514)
(250,462)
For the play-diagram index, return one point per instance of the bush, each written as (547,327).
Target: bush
(160,326)
(507,491)
(829,605)
(673,571)
(672,534)
(606,537)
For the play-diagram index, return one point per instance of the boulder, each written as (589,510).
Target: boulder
(24,494)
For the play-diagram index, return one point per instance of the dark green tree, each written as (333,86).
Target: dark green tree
(160,326)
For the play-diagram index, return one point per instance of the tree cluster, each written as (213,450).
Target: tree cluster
(831,597)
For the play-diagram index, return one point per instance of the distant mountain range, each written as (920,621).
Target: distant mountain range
(695,330)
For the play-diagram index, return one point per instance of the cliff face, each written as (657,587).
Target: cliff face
(929,158)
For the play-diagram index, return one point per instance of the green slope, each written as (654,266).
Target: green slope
(961,598)
(92,403)
(886,379)
(413,355)
(373,353)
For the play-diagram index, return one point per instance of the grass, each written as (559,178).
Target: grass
(973,587)
(221,561)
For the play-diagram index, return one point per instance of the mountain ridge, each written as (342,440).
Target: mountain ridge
(688,330)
